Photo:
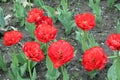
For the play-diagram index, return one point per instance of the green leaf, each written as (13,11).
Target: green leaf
(64,5)
(44,47)
(2,21)
(34,74)
(92,41)
(32,64)
(117,68)
(95,5)
(80,38)
(52,73)
(21,58)
(11,75)
(65,74)
(110,3)
(51,12)
(118,6)
(2,63)
(20,12)
(118,27)
(111,74)
(23,69)
(19,77)
(30,28)
(39,3)
(92,74)
(4,0)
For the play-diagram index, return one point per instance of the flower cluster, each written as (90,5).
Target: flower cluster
(45,30)
(93,58)
(37,16)
(61,52)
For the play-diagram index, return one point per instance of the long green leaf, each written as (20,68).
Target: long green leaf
(65,74)
(117,68)
(118,27)
(111,74)
(2,63)
(2,21)
(118,6)
(30,28)
(52,73)
(23,69)
(34,75)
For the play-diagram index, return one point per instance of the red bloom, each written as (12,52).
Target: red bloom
(94,59)
(60,52)
(35,15)
(32,51)
(12,37)
(45,32)
(85,21)
(45,20)
(113,41)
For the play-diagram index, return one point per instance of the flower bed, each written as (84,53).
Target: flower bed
(65,50)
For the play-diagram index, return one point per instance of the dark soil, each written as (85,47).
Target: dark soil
(75,68)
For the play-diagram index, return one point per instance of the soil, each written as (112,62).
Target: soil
(75,69)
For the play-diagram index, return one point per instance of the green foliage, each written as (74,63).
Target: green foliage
(2,63)
(118,6)
(114,72)
(30,28)
(85,39)
(2,21)
(110,3)
(52,73)
(51,12)
(34,75)
(92,74)
(65,74)
(3,0)
(118,27)
(20,12)
(17,71)
(111,74)
(81,39)
(19,67)
(117,68)
(95,5)
(65,17)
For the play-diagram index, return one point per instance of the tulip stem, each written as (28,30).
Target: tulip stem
(85,42)
(112,57)
(29,69)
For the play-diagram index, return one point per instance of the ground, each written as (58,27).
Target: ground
(75,69)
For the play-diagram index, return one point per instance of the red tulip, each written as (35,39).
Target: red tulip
(113,41)
(85,21)
(94,59)
(32,51)
(60,52)
(35,15)
(45,33)
(45,20)
(12,37)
